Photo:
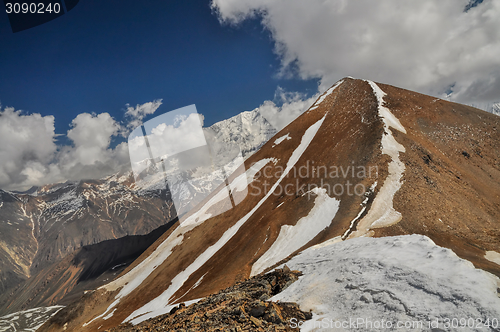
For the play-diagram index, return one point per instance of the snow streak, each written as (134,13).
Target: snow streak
(160,305)
(292,238)
(382,212)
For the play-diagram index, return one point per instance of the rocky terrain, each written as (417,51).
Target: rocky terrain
(85,269)
(242,307)
(39,231)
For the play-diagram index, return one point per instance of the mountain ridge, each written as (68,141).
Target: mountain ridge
(448,152)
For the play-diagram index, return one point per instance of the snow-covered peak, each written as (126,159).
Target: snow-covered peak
(249,130)
(228,140)
(495,109)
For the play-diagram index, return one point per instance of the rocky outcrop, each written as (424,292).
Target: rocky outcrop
(242,307)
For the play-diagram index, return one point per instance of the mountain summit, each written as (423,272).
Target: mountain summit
(366,160)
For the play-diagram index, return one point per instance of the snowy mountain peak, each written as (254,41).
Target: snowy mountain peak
(249,130)
(495,109)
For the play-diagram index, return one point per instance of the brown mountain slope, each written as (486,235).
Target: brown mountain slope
(381,164)
(452,182)
(87,268)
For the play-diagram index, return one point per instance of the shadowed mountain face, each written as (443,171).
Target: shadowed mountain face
(365,160)
(38,231)
(79,272)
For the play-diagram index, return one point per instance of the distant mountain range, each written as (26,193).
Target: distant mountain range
(38,231)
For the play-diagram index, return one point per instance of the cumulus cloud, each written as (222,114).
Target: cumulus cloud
(27,144)
(91,135)
(173,136)
(90,156)
(165,138)
(285,108)
(31,156)
(434,47)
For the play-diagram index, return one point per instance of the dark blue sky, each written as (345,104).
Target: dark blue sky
(104,54)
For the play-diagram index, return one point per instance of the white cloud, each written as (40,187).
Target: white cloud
(91,155)
(91,135)
(170,134)
(27,142)
(30,155)
(424,45)
(184,134)
(137,113)
(292,105)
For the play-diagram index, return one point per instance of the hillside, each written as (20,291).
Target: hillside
(366,160)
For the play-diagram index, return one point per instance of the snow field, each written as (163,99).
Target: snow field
(396,279)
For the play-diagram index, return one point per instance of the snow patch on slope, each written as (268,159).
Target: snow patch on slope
(240,183)
(353,222)
(382,212)
(402,278)
(29,320)
(493,256)
(281,139)
(292,238)
(133,279)
(160,305)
